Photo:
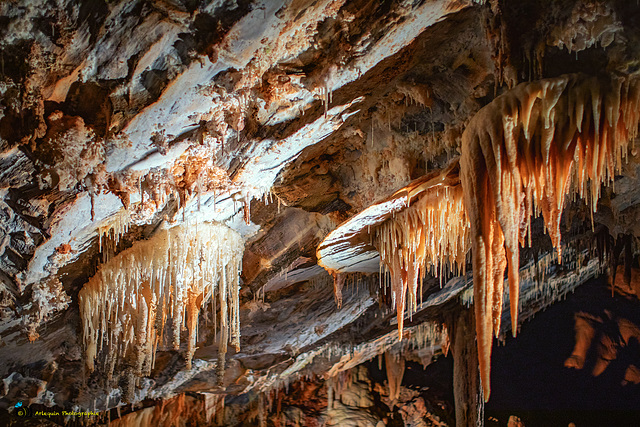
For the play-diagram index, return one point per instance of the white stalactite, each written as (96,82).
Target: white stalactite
(125,306)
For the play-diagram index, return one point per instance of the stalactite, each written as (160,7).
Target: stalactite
(496,34)
(466,381)
(394,364)
(246,212)
(125,306)
(110,232)
(590,24)
(338,283)
(430,235)
(520,153)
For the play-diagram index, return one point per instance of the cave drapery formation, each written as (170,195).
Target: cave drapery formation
(225,212)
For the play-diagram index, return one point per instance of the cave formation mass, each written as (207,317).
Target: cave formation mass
(301,212)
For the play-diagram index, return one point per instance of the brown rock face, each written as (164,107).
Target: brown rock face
(259,142)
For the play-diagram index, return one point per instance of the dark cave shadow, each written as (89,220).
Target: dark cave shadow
(529,378)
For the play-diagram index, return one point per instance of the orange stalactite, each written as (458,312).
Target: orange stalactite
(527,150)
(394,364)
(431,234)
(110,232)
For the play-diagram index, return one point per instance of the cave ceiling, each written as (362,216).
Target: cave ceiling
(281,120)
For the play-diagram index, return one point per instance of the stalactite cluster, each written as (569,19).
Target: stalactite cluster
(521,155)
(169,277)
(432,234)
(110,232)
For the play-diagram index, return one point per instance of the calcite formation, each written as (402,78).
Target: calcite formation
(169,277)
(522,155)
(394,365)
(170,170)
(430,235)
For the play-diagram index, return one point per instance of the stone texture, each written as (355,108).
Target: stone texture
(281,119)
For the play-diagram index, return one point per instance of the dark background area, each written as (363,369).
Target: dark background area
(529,379)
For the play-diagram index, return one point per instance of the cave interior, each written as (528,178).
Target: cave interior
(320,212)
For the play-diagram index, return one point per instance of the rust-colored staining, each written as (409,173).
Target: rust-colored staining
(123,185)
(64,248)
(195,173)
(338,284)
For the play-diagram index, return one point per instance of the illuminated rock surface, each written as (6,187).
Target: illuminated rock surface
(219,211)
